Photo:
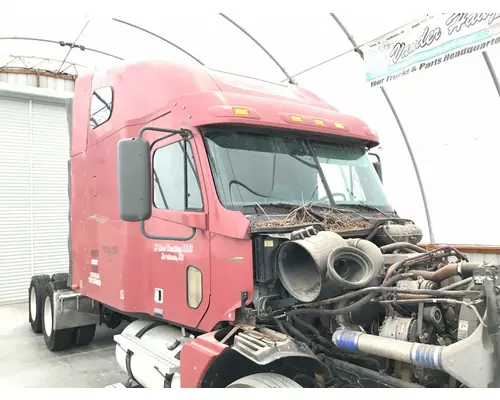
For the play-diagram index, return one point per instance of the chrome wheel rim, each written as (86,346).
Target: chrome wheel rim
(47,316)
(33,303)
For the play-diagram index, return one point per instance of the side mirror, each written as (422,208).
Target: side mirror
(134,179)
(377,165)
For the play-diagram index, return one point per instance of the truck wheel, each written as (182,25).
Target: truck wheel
(264,380)
(84,335)
(55,340)
(35,305)
(62,277)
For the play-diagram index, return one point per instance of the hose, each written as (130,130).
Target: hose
(401,245)
(371,292)
(463,269)
(386,287)
(280,326)
(373,375)
(309,327)
(387,234)
(438,253)
(296,333)
(375,290)
(300,336)
(373,232)
(455,285)
(314,331)
(358,293)
(416,259)
(333,350)
(331,367)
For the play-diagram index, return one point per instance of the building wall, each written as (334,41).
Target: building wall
(44,82)
(487,258)
(34,150)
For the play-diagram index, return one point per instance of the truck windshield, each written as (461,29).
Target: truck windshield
(252,168)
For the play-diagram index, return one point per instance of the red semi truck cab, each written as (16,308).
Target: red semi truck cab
(213,153)
(204,182)
(185,191)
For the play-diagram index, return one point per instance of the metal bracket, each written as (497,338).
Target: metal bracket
(163,360)
(244,298)
(72,309)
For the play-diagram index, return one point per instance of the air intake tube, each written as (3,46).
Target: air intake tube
(354,267)
(306,264)
(455,359)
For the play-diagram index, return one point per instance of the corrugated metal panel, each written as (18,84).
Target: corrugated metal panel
(15,200)
(57,85)
(50,191)
(489,258)
(34,149)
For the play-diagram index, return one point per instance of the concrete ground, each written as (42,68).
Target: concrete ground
(25,361)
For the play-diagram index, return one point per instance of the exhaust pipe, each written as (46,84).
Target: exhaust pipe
(306,264)
(456,359)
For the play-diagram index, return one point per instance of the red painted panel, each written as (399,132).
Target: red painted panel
(128,268)
(81,112)
(196,356)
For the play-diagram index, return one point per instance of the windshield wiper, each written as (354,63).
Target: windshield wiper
(276,204)
(365,206)
(283,205)
(321,174)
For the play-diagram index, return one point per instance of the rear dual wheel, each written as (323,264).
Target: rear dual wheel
(60,277)
(35,297)
(61,339)
(35,301)
(54,339)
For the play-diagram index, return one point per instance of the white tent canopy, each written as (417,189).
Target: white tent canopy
(448,113)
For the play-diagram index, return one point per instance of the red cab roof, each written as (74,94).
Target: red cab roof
(210,97)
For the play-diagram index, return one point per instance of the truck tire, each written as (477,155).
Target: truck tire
(55,340)
(35,298)
(84,335)
(61,277)
(264,380)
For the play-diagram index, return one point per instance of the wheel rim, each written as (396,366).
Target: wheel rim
(33,303)
(47,316)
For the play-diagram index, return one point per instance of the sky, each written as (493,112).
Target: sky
(450,112)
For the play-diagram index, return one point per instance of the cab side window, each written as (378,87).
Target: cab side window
(101,106)
(176,184)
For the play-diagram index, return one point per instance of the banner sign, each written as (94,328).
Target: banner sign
(430,41)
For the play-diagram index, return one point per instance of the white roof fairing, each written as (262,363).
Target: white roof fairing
(450,113)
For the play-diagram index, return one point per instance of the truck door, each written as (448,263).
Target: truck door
(179,270)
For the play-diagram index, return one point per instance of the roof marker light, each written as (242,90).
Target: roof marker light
(339,125)
(240,111)
(296,118)
(319,122)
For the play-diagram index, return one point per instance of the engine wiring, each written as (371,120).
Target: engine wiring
(430,297)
